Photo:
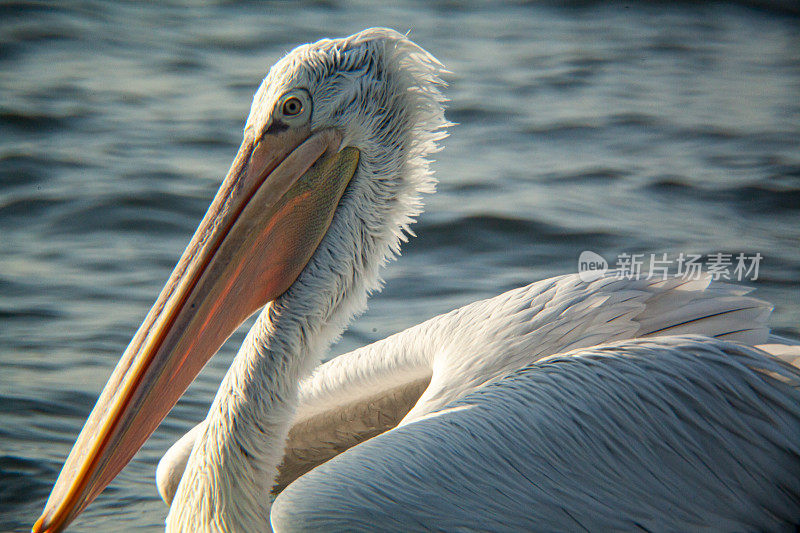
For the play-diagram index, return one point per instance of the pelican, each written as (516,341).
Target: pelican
(600,403)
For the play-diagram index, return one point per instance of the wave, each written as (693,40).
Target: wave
(759,197)
(493,232)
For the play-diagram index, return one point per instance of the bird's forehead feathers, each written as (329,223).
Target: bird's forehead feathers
(338,71)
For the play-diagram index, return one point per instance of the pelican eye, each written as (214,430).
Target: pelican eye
(292,106)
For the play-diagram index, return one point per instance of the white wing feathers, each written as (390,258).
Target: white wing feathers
(669,434)
(484,341)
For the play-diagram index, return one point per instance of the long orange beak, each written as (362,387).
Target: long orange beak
(269,216)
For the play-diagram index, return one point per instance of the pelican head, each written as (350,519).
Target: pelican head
(327,179)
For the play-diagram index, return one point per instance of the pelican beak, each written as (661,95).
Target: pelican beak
(264,224)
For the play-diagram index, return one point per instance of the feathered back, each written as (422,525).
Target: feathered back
(668,434)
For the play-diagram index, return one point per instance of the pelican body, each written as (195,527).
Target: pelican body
(605,403)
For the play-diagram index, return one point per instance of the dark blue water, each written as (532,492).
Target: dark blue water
(607,127)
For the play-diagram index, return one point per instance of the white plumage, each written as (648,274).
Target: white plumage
(669,434)
(441,469)
(563,405)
